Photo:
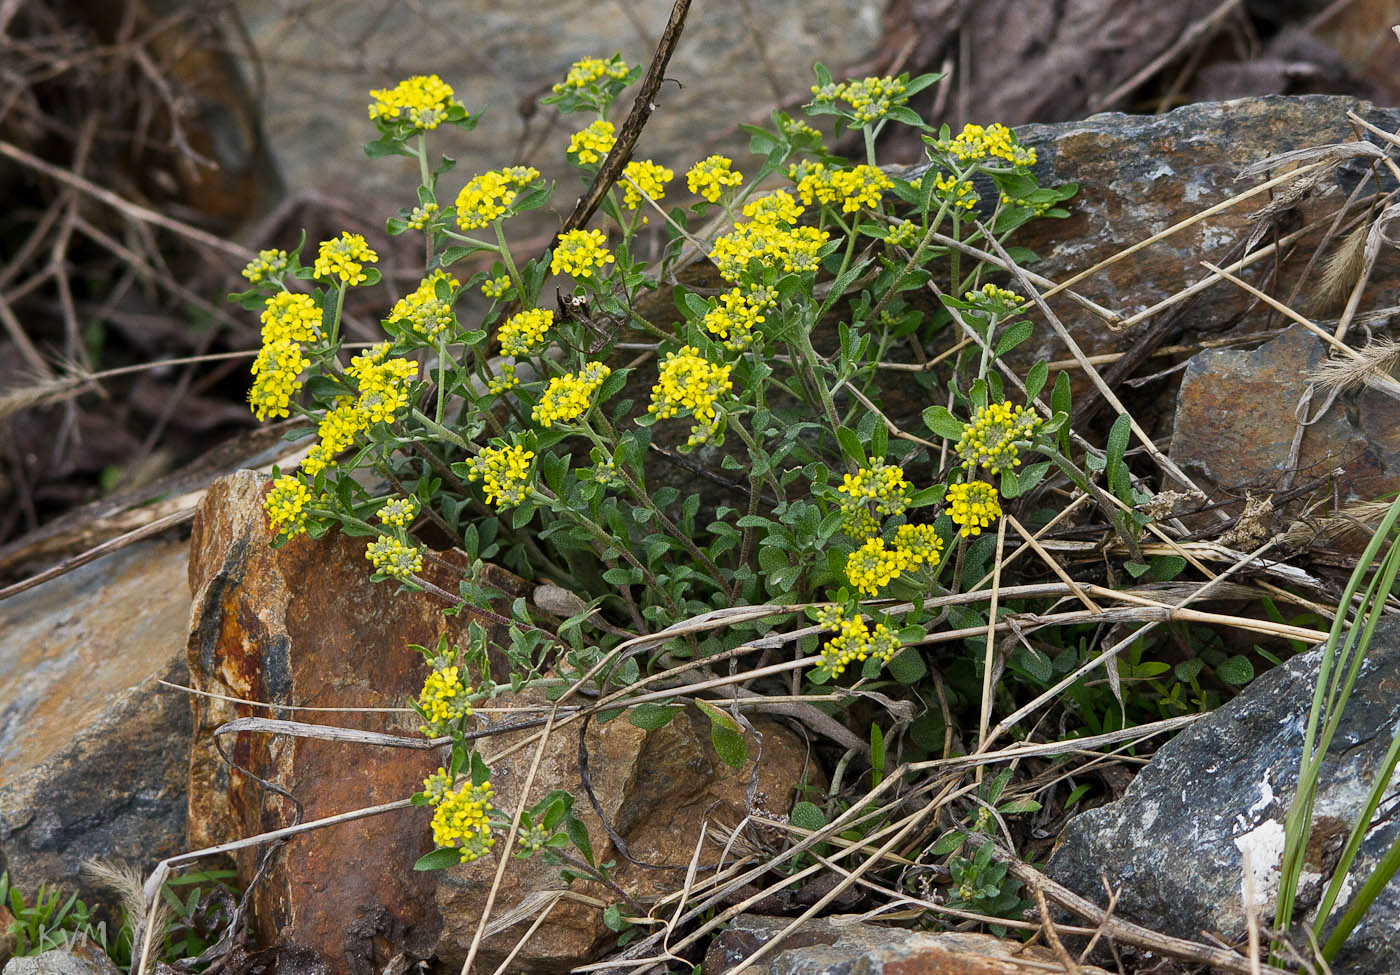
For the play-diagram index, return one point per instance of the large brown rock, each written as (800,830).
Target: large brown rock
(655,788)
(304,625)
(93,749)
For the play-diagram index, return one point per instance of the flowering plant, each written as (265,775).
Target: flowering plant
(536,412)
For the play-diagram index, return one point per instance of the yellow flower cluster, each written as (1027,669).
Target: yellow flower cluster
(733,320)
(793,250)
(860,186)
(462,819)
(421,216)
(690,385)
(593,143)
(579,252)
(336,432)
(588,71)
(1038,207)
(854,641)
(504,473)
(523,332)
(774,209)
(990,439)
(275,381)
(487,197)
(291,317)
(869,98)
(711,175)
(994,141)
(443,701)
(904,233)
(506,381)
(398,512)
(383,383)
(394,557)
(496,287)
(973,506)
(438,785)
(422,310)
(285,505)
(344,257)
(874,566)
(268,264)
(996,300)
(959,193)
(880,484)
(569,396)
(423,101)
(813,181)
(644,177)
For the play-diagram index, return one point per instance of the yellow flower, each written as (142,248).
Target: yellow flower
(496,287)
(860,186)
(423,101)
(711,175)
(921,542)
(504,473)
(462,820)
(398,512)
(506,381)
(734,319)
(268,264)
(854,640)
(973,506)
(593,143)
(285,505)
(872,567)
(869,98)
(579,252)
(394,557)
(483,199)
(994,141)
(644,177)
(421,216)
(570,396)
(523,333)
(444,700)
(383,383)
(291,317)
(990,439)
(337,432)
(422,310)
(275,381)
(589,71)
(959,193)
(814,182)
(880,484)
(344,257)
(689,385)
(774,209)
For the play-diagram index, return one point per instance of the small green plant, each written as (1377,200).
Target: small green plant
(54,919)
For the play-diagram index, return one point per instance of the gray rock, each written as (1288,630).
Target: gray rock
(93,752)
(1174,845)
(81,958)
(846,945)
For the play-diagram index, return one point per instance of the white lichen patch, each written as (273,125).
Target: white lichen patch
(1262,850)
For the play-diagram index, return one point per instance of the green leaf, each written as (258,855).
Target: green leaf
(1059,398)
(725,735)
(653,715)
(578,835)
(1165,568)
(1236,671)
(1013,337)
(1136,569)
(439,859)
(1117,446)
(851,445)
(908,667)
(949,842)
(808,816)
(943,423)
(1035,381)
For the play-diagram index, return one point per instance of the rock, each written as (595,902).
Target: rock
(728,67)
(304,625)
(1223,786)
(845,945)
(656,788)
(1248,449)
(81,958)
(93,751)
